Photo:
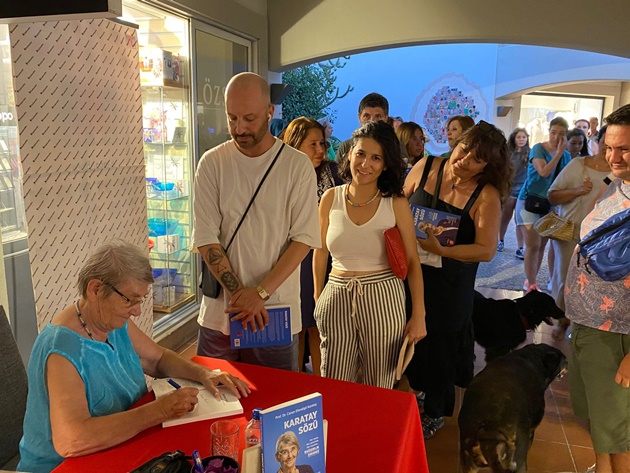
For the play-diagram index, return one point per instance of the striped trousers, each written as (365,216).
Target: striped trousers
(361,321)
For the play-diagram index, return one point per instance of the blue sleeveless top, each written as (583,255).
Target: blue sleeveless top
(113,379)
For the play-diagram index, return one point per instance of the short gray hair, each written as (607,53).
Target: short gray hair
(115,262)
(287,437)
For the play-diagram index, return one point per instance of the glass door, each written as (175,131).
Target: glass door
(218,56)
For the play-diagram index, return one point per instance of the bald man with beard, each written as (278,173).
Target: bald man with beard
(260,267)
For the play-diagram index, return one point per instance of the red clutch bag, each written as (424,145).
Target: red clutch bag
(396,252)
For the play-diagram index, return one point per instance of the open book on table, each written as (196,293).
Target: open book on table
(208,407)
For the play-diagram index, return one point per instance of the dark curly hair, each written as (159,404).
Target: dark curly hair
(492,148)
(391,179)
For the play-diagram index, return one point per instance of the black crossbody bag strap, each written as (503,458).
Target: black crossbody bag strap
(254,196)
(209,284)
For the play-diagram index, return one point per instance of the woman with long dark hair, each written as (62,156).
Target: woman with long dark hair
(360,312)
(470,184)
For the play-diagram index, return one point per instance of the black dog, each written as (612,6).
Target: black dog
(502,407)
(501,325)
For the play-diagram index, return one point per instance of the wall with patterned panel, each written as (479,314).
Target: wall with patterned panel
(79,110)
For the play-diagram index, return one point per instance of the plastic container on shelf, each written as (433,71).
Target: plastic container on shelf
(164,276)
(163,186)
(252,429)
(162,226)
(150,182)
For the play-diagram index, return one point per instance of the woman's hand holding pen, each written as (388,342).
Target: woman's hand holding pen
(178,402)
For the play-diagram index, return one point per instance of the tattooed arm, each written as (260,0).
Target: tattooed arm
(219,265)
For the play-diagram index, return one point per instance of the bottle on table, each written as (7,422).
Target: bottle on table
(252,430)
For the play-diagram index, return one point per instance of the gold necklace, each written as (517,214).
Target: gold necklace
(365,203)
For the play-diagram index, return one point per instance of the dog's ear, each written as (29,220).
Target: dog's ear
(548,321)
(552,361)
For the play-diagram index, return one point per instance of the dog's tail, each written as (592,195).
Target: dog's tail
(494,449)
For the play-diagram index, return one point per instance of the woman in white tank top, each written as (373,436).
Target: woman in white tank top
(361,311)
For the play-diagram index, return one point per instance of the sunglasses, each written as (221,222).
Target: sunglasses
(492,132)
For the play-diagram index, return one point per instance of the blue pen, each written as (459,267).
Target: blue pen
(197,461)
(174,384)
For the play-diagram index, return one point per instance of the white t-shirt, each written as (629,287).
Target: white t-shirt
(285,210)
(573,176)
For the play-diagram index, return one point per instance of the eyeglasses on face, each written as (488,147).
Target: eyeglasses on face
(128,302)
(286,452)
(493,133)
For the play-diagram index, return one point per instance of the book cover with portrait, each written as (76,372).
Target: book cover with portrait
(443,224)
(292,436)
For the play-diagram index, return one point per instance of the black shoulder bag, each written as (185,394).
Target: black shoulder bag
(540,205)
(210,287)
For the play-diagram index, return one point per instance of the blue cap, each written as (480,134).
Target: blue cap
(256,413)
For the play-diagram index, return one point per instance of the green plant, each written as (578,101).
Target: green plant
(314,90)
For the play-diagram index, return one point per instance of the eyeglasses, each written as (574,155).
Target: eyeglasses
(493,133)
(128,302)
(285,453)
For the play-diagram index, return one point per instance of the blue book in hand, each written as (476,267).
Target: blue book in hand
(443,224)
(292,436)
(277,333)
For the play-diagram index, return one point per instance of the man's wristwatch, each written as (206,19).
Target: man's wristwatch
(264,295)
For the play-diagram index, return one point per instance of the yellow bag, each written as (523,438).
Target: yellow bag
(555,227)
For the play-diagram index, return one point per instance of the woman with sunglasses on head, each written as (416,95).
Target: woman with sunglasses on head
(471,183)
(88,367)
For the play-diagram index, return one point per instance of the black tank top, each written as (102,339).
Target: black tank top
(449,290)
(466,232)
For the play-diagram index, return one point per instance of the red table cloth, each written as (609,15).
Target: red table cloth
(369,429)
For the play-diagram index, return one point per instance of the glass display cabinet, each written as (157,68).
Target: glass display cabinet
(168,155)
(164,54)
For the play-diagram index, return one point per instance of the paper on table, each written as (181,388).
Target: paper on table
(208,407)
(404,357)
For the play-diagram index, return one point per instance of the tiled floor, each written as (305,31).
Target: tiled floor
(561,443)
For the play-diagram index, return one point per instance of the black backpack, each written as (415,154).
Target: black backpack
(168,462)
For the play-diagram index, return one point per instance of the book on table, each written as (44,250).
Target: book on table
(444,225)
(252,456)
(208,407)
(292,435)
(277,333)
